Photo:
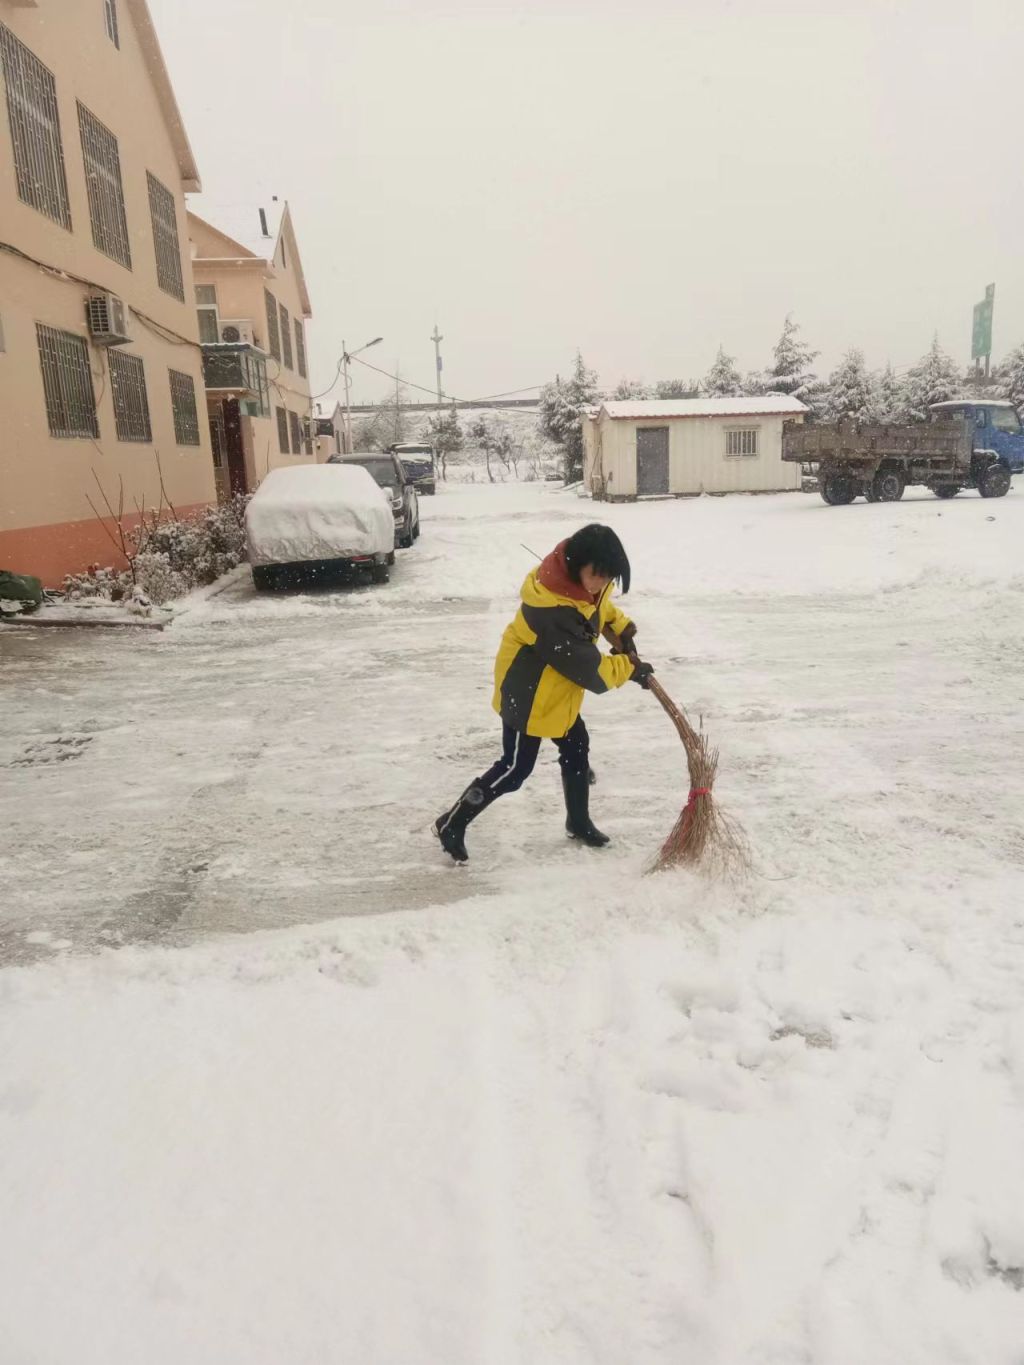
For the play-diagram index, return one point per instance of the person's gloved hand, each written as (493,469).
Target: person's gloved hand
(627,637)
(642,672)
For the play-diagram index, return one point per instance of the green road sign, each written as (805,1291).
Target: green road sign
(981,334)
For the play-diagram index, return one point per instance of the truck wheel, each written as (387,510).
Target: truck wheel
(995,482)
(838,490)
(946,490)
(888,485)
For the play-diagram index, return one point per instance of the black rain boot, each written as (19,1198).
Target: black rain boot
(450,827)
(579,825)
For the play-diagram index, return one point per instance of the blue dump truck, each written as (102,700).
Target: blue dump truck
(969,443)
(418,462)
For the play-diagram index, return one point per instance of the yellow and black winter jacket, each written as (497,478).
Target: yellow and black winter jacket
(549,655)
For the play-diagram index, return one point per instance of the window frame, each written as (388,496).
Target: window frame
(300,349)
(60,384)
(132,421)
(286,337)
(273,325)
(740,434)
(183,390)
(282,430)
(163,219)
(26,76)
(104,185)
(110,22)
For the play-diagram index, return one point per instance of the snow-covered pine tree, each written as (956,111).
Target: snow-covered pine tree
(627,389)
(887,398)
(676,388)
(444,432)
(849,394)
(562,405)
(934,379)
(791,372)
(1010,375)
(723,380)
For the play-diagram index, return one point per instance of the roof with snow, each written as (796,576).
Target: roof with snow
(639,410)
(982,402)
(242,223)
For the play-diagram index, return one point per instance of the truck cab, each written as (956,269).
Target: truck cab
(417,459)
(995,426)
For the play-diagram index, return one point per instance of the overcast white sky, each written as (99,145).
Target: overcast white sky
(640,180)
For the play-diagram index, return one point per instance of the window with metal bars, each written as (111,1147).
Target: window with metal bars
(296,428)
(110,19)
(300,347)
(35,130)
(282,431)
(183,407)
(259,366)
(742,441)
(67,383)
(131,403)
(106,192)
(164,217)
(273,332)
(286,337)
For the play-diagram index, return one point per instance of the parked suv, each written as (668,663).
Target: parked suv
(387,469)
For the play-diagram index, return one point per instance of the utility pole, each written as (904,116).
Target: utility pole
(437,338)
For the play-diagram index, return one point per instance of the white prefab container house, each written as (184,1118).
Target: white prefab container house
(688,446)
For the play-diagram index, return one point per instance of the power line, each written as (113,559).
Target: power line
(450,398)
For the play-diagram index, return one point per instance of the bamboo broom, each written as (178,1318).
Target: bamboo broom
(703,837)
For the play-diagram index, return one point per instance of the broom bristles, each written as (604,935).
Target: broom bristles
(703,837)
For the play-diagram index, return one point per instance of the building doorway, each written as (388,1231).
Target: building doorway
(651,461)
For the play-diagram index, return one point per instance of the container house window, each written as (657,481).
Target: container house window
(106,192)
(165,238)
(131,403)
(35,130)
(742,441)
(183,407)
(67,383)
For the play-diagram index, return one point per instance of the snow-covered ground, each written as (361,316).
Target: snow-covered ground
(544,1110)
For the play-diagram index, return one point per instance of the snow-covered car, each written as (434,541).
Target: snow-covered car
(315,519)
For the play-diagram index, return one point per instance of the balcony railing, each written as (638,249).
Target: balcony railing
(232,367)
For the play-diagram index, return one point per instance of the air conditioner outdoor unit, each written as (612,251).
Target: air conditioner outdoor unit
(108,319)
(237,330)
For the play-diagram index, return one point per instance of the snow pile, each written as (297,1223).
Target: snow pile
(314,512)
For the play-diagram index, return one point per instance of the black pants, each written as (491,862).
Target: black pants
(519,754)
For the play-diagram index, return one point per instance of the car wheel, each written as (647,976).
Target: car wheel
(391,557)
(264,577)
(416,530)
(380,573)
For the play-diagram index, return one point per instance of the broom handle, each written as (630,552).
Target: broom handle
(675,713)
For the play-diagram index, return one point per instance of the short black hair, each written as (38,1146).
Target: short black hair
(601,548)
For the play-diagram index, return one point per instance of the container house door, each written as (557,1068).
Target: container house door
(651,461)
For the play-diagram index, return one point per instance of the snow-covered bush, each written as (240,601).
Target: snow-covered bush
(169,556)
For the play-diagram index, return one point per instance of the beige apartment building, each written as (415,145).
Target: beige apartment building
(101,380)
(252,303)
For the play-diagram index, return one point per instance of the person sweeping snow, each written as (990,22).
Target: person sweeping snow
(548,657)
